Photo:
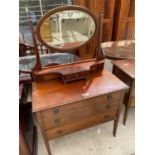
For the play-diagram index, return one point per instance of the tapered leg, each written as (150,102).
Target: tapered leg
(118,115)
(125,114)
(39,119)
(47,145)
(128,105)
(116,123)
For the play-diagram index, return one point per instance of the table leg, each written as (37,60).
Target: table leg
(128,105)
(125,114)
(116,123)
(117,116)
(39,119)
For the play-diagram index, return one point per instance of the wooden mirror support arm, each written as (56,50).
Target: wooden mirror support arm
(99,53)
(38,62)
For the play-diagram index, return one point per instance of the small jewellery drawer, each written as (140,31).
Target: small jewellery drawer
(79,110)
(81,124)
(75,76)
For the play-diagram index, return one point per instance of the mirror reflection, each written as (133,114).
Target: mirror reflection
(67,29)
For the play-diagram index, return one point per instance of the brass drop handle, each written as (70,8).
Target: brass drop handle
(109,105)
(57,121)
(59,131)
(55,111)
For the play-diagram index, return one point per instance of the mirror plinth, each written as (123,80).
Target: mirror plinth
(73,72)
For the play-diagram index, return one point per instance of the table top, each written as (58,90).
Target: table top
(124,49)
(127,66)
(53,93)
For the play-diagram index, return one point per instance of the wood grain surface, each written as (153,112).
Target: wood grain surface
(124,49)
(53,93)
(127,66)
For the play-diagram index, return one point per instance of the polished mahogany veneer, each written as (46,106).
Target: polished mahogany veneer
(70,97)
(116,50)
(63,109)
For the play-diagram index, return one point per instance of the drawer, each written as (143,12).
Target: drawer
(79,110)
(75,76)
(82,124)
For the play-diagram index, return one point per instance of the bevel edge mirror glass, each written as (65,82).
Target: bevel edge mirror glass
(65,25)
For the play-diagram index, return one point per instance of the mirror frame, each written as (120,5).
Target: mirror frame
(72,71)
(59,9)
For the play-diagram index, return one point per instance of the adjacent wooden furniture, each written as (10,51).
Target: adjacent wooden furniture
(118,21)
(124,20)
(27,143)
(125,70)
(28,136)
(25,49)
(108,20)
(114,50)
(61,109)
(107,6)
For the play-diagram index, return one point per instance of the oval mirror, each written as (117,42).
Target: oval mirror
(66,28)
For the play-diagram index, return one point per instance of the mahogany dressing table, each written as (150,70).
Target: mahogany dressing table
(61,109)
(73,96)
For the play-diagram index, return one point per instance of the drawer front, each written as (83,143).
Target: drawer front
(75,76)
(82,124)
(79,110)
